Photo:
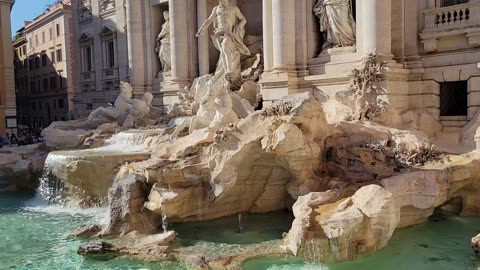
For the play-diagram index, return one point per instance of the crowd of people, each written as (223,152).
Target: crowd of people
(26,136)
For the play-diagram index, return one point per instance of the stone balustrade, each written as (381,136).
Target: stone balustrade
(110,72)
(87,76)
(448,17)
(462,20)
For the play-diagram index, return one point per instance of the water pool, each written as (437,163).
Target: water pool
(35,236)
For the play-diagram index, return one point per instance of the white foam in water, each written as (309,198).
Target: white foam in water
(38,204)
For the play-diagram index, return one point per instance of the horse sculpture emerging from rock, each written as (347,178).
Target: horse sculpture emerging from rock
(217,106)
(125,111)
(119,110)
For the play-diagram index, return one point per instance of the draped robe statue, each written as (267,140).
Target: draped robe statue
(336,23)
(229,31)
(163,45)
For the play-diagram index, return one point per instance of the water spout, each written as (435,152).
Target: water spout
(164,222)
(240,225)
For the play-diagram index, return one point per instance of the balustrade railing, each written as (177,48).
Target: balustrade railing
(452,16)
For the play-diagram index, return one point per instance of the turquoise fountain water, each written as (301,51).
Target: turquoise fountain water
(441,244)
(34,235)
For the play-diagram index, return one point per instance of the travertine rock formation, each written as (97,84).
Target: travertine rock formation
(345,230)
(261,165)
(20,167)
(69,134)
(354,183)
(476,244)
(407,199)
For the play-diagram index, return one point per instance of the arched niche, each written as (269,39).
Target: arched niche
(316,41)
(251,9)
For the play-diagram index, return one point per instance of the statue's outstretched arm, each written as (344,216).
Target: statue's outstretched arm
(207,23)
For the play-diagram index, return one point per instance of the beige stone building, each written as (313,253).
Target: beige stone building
(44,67)
(431,48)
(101,43)
(7,83)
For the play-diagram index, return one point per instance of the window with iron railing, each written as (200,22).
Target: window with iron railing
(446,3)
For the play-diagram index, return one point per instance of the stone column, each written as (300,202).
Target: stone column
(283,16)
(136,46)
(411,33)
(203,40)
(179,41)
(376,28)
(267,35)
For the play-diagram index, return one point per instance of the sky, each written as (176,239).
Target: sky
(27,10)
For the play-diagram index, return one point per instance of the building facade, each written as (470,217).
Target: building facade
(7,82)
(44,70)
(431,47)
(101,43)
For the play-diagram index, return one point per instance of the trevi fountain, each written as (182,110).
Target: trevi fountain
(229,179)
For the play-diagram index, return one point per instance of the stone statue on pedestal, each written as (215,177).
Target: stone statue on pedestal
(336,23)
(163,45)
(229,24)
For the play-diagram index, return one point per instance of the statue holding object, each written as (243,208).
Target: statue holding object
(336,23)
(229,31)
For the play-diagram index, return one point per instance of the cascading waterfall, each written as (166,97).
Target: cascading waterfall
(54,189)
(51,188)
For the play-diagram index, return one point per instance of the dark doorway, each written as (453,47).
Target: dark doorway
(454,98)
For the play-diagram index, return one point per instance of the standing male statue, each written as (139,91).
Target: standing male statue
(163,44)
(336,23)
(229,30)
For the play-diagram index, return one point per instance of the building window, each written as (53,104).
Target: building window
(37,62)
(60,79)
(36,40)
(61,103)
(87,59)
(33,87)
(44,60)
(446,3)
(57,26)
(43,37)
(59,55)
(53,82)
(31,64)
(39,86)
(52,56)
(110,53)
(50,33)
(454,98)
(45,85)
